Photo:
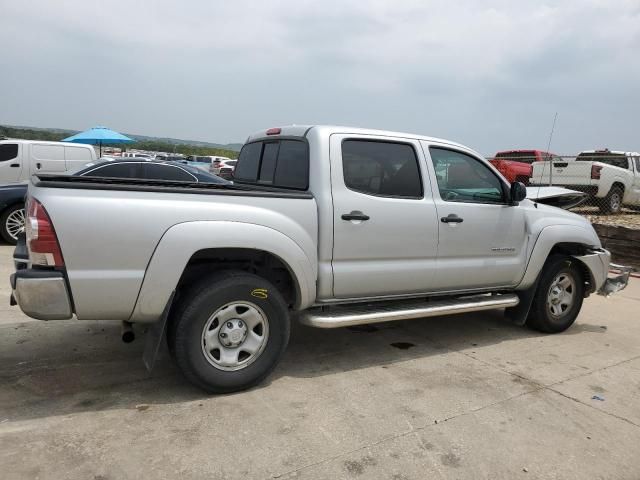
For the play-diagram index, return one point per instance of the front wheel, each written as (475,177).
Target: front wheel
(12,223)
(559,296)
(229,331)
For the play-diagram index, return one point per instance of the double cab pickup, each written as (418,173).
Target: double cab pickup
(329,226)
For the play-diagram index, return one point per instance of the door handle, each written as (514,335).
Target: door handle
(451,218)
(355,215)
(38,165)
(14,165)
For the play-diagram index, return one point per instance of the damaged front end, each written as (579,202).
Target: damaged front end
(618,282)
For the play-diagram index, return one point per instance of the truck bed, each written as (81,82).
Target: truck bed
(106,260)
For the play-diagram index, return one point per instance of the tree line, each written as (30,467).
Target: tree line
(152,145)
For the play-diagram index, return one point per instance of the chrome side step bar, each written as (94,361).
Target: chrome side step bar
(346,316)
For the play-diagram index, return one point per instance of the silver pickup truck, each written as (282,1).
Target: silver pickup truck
(330,226)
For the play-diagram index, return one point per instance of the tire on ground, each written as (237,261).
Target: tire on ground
(612,203)
(4,232)
(193,313)
(552,311)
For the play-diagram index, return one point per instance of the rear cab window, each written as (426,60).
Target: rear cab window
(282,163)
(613,159)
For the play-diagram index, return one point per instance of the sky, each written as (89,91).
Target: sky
(489,74)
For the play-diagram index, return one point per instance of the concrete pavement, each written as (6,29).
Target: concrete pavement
(467,397)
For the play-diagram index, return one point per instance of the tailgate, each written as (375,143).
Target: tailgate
(567,172)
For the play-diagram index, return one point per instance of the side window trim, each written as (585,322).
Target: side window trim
(421,174)
(503,186)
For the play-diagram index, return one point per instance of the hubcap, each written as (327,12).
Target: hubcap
(15,223)
(235,336)
(615,202)
(561,295)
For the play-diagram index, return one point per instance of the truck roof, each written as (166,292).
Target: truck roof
(613,152)
(303,130)
(46,142)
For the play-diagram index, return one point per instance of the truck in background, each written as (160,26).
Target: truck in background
(610,178)
(516,165)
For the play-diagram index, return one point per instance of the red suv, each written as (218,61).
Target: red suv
(515,165)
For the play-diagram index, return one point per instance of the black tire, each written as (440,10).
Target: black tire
(612,203)
(540,316)
(193,313)
(4,231)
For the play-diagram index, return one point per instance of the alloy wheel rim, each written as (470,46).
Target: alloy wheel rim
(235,336)
(561,295)
(615,202)
(15,223)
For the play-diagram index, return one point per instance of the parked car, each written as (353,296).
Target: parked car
(332,226)
(19,159)
(223,168)
(12,196)
(169,158)
(610,178)
(12,211)
(515,165)
(206,160)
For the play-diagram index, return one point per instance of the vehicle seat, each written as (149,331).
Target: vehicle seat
(460,175)
(403,183)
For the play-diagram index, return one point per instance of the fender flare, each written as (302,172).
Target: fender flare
(181,241)
(551,236)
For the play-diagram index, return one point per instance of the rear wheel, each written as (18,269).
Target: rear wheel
(559,296)
(613,201)
(12,223)
(229,332)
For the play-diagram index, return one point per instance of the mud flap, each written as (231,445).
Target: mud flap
(518,315)
(155,336)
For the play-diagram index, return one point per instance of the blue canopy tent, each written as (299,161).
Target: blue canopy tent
(98,136)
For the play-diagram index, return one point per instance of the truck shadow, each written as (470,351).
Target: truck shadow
(61,368)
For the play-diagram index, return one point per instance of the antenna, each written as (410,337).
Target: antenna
(553,127)
(550,159)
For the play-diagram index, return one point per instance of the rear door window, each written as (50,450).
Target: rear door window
(381,168)
(8,151)
(280,163)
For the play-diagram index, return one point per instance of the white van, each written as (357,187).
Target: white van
(19,159)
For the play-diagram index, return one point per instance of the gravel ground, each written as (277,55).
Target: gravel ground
(628,218)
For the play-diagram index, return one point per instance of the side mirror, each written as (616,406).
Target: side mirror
(517,193)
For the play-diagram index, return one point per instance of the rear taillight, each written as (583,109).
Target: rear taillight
(41,237)
(595,172)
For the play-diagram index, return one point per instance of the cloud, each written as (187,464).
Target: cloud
(489,74)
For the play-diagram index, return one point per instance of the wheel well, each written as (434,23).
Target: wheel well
(578,249)
(619,185)
(258,262)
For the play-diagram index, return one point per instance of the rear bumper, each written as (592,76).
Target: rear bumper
(42,294)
